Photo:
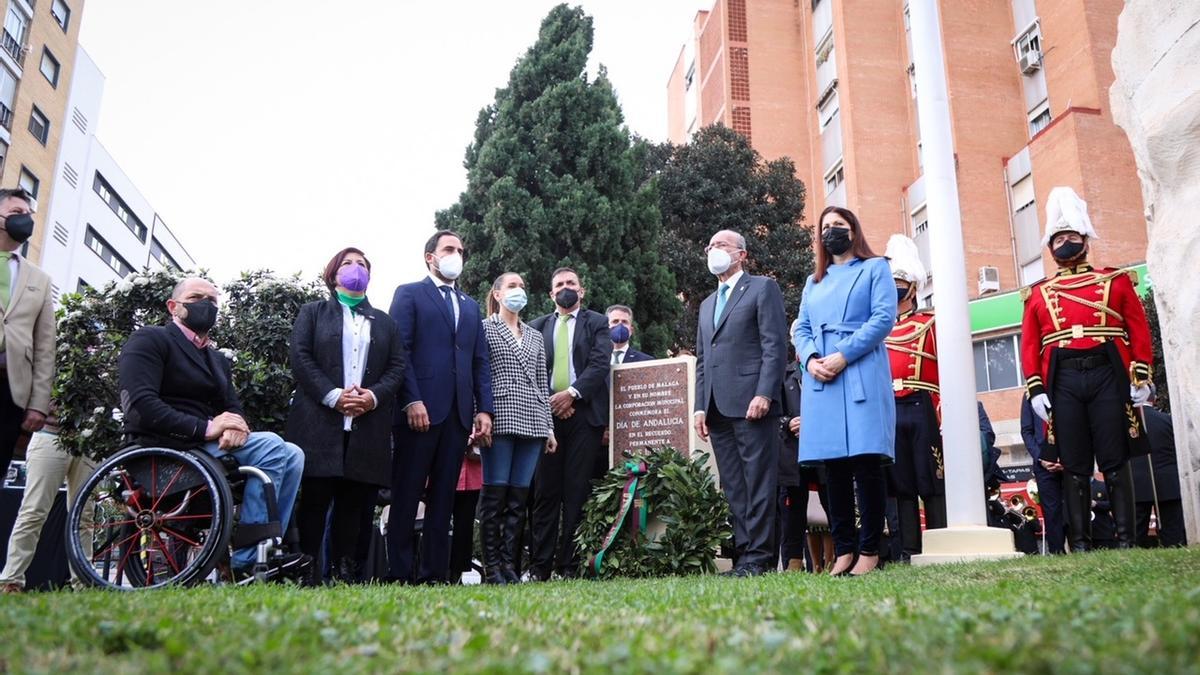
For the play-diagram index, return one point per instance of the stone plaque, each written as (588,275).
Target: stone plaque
(651,406)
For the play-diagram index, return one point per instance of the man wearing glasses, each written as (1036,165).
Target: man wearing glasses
(741,355)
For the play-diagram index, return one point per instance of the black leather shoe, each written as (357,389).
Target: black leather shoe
(747,570)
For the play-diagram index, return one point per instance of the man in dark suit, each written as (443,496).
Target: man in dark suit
(620,326)
(176,391)
(1049,479)
(578,351)
(1159,491)
(741,355)
(446,398)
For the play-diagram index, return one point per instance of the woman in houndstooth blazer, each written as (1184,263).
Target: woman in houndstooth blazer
(521,427)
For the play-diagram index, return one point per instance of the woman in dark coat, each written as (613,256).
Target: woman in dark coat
(348,363)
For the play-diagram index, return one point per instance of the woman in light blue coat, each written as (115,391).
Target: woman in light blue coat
(848,409)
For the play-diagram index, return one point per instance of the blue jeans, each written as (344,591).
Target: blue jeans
(511,460)
(283,462)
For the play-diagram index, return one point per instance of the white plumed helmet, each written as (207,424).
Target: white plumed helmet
(1066,212)
(905,260)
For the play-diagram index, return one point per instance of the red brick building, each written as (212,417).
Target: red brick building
(830,84)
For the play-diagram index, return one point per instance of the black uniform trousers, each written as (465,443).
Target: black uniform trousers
(1050,495)
(747,454)
(1088,404)
(915,473)
(424,465)
(11,417)
(1170,523)
(562,484)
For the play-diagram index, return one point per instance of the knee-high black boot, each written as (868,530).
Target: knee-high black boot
(935,512)
(1124,510)
(514,511)
(909,514)
(491,500)
(1077,506)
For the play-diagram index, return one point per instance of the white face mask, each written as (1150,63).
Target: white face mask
(719,261)
(515,299)
(450,266)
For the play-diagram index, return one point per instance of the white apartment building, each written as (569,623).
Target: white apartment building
(103,228)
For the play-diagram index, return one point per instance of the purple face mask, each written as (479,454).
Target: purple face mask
(353,278)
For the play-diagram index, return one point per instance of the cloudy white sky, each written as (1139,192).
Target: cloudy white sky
(272,133)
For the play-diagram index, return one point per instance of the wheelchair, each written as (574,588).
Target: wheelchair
(150,517)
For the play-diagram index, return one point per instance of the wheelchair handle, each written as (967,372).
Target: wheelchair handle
(268,490)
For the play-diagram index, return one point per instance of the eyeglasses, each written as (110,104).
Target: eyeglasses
(722,245)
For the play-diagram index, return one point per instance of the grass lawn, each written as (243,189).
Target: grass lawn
(1114,612)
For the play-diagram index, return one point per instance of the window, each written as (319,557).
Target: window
(107,253)
(8,94)
(3,153)
(834,179)
(61,13)
(39,126)
(690,77)
(997,364)
(50,67)
(15,26)
(160,254)
(1030,44)
(29,182)
(82,286)
(920,222)
(1032,272)
(1039,119)
(119,207)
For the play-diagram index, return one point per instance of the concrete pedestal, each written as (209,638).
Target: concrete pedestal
(965,543)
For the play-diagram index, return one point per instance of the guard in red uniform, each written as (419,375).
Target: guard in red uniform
(1085,350)
(919,471)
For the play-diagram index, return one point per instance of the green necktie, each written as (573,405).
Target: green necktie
(5,278)
(562,355)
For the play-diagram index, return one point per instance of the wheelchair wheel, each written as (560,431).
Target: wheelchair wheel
(150,517)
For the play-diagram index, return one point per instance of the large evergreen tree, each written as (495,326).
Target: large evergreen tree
(553,179)
(718,181)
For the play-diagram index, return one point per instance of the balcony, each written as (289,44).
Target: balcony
(838,196)
(831,142)
(827,71)
(916,194)
(6,116)
(14,48)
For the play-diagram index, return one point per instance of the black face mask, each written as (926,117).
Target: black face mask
(567,298)
(201,316)
(19,226)
(836,240)
(1067,251)
(901,294)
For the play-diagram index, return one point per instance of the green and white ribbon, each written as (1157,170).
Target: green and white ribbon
(631,498)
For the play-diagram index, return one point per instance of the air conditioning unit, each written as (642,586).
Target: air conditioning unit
(989,280)
(1031,61)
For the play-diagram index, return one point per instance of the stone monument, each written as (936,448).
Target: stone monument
(651,405)
(1156,100)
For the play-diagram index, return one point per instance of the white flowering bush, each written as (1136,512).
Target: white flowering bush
(253,328)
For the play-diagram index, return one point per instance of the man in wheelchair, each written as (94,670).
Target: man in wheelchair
(177,392)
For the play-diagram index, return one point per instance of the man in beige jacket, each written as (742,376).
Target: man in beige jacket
(26,329)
